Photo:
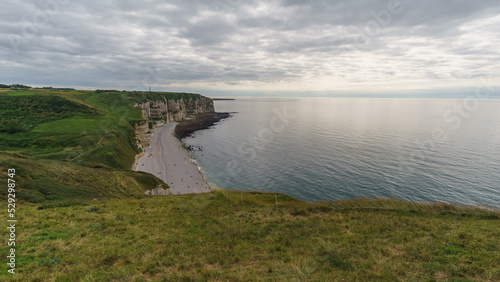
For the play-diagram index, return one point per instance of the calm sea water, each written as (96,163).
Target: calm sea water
(331,149)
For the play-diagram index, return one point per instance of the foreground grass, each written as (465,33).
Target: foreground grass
(48,181)
(245,236)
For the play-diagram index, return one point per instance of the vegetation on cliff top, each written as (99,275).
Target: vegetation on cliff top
(154,96)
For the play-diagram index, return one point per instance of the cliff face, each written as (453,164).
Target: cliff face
(158,112)
(170,110)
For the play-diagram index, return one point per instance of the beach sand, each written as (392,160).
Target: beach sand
(168,160)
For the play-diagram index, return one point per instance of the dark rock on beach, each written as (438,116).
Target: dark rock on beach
(199,122)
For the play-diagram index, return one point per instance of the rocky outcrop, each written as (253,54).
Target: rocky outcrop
(170,110)
(158,191)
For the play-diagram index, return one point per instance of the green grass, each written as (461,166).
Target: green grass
(23,113)
(20,93)
(237,236)
(70,125)
(146,96)
(44,181)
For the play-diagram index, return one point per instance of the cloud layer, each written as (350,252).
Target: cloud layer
(287,45)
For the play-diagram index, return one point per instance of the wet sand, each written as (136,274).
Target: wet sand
(168,160)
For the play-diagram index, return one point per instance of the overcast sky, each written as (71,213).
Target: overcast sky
(236,46)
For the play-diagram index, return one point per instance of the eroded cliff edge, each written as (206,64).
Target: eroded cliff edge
(170,110)
(158,110)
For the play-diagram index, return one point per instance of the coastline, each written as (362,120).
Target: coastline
(167,159)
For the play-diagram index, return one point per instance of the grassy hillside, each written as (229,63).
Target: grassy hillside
(233,236)
(40,181)
(20,113)
(47,132)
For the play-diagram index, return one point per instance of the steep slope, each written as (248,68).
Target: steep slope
(70,144)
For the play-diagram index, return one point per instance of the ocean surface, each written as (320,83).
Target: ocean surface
(332,149)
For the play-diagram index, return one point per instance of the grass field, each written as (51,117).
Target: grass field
(19,93)
(233,236)
(40,180)
(70,125)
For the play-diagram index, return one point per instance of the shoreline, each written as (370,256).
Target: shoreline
(165,156)
(167,159)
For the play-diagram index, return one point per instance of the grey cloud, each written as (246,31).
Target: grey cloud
(117,43)
(209,31)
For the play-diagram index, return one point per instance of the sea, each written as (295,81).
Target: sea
(318,149)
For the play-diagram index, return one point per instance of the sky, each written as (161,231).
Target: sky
(262,48)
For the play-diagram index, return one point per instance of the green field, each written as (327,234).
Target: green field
(74,125)
(20,93)
(233,236)
(42,181)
